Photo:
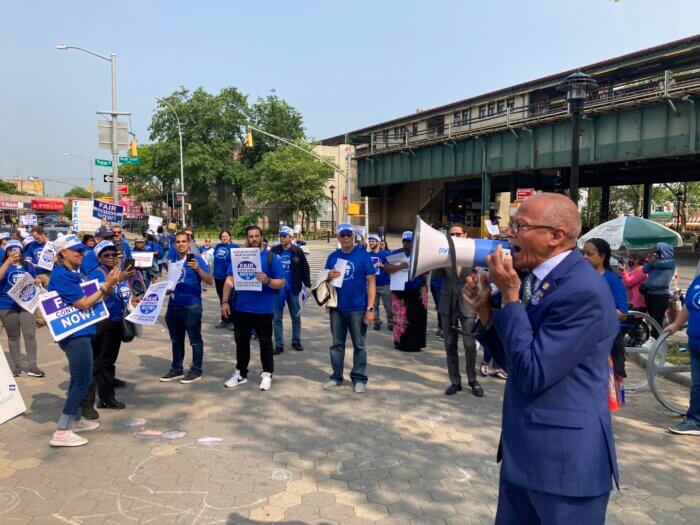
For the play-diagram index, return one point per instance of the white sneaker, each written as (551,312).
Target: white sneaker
(359,388)
(67,439)
(266,381)
(235,379)
(330,385)
(85,425)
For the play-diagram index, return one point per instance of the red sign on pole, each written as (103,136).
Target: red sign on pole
(523,193)
(124,190)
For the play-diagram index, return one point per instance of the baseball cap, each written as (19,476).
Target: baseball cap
(104,231)
(151,233)
(407,236)
(14,244)
(104,246)
(345,227)
(4,235)
(373,237)
(27,241)
(68,242)
(286,230)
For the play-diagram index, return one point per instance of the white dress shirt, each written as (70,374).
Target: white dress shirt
(546,267)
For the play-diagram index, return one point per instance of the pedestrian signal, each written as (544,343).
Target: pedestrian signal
(133,148)
(248,139)
(353,208)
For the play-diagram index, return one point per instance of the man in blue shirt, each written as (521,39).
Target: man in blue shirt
(296,274)
(32,252)
(185,312)
(121,243)
(381,281)
(355,308)
(253,310)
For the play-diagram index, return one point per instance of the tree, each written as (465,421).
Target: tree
(78,193)
(9,187)
(293,180)
(686,197)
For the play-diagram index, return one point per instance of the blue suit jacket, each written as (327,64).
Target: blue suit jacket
(557,433)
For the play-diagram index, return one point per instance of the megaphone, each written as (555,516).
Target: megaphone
(432,249)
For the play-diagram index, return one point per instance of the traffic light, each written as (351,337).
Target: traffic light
(133,149)
(248,139)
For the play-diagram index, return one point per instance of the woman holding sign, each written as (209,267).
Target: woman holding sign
(108,339)
(15,319)
(65,281)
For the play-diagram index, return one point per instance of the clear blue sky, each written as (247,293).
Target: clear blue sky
(343,65)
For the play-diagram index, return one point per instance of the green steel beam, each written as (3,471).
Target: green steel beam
(646,132)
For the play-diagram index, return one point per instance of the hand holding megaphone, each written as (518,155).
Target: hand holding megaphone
(503,275)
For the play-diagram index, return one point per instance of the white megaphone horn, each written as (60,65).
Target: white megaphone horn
(432,249)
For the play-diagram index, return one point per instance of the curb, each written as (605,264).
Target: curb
(682,378)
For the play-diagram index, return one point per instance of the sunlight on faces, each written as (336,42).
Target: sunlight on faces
(347,239)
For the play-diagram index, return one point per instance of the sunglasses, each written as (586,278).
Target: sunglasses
(346,235)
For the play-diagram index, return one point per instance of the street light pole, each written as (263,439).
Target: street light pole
(332,189)
(577,86)
(182,163)
(115,143)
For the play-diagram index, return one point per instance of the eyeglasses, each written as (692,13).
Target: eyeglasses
(516,226)
(345,234)
(109,255)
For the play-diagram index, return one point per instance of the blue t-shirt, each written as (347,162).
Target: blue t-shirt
(153,246)
(89,263)
(381,278)
(126,249)
(32,254)
(222,259)
(286,260)
(415,283)
(618,291)
(12,275)
(117,301)
(352,296)
(692,303)
(67,284)
(188,290)
(262,302)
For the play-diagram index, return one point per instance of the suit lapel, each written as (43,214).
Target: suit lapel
(549,283)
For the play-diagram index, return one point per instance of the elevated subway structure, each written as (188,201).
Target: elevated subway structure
(640,127)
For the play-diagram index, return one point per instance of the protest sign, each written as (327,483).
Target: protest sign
(360,231)
(64,319)
(175,273)
(25,293)
(81,217)
(143,259)
(154,222)
(11,402)
(107,211)
(46,256)
(375,262)
(398,279)
(245,263)
(28,219)
(342,266)
(148,310)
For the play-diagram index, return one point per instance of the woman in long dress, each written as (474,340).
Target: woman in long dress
(410,306)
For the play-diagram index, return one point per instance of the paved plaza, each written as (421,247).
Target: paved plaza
(400,453)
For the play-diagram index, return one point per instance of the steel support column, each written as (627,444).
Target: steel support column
(604,203)
(646,203)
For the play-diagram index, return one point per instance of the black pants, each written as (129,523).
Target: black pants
(105,350)
(245,324)
(656,308)
(220,292)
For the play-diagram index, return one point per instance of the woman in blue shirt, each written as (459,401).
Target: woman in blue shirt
(65,281)
(597,252)
(108,339)
(17,320)
(222,260)
(691,313)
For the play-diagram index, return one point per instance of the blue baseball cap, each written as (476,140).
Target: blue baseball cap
(69,242)
(14,244)
(286,230)
(407,236)
(374,237)
(345,227)
(104,246)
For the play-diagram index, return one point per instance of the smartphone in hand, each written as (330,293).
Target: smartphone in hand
(190,257)
(129,264)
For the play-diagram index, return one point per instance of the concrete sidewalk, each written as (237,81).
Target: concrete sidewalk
(401,453)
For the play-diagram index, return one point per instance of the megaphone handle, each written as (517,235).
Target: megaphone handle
(453,253)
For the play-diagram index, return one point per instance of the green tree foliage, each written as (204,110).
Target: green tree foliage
(9,187)
(78,193)
(293,180)
(685,196)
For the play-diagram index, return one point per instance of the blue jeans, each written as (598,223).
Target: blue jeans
(694,408)
(341,324)
(79,354)
(181,319)
(292,301)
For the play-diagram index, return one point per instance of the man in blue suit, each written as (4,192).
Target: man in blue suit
(553,335)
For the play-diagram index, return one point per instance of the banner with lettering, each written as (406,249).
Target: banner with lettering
(64,319)
(148,309)
(107,211)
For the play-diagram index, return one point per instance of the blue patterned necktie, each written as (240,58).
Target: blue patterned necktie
(527,287)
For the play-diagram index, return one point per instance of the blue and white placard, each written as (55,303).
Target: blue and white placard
(148,310)
(107,211)
(47,256)
(25,293)
(64,319)
(245,263)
